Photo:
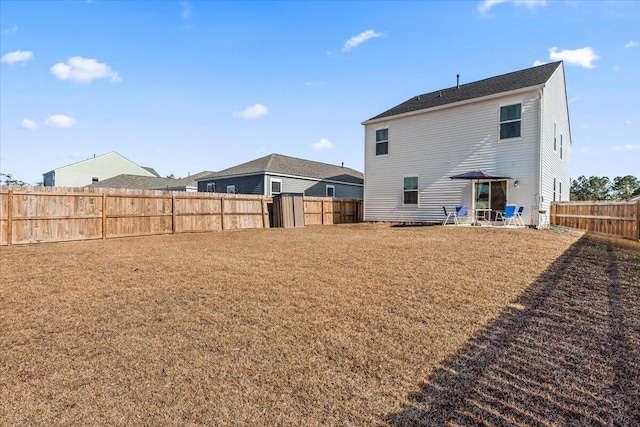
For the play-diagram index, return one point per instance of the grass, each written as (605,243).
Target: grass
(346,325)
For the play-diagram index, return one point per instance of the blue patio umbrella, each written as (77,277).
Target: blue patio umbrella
(478,174)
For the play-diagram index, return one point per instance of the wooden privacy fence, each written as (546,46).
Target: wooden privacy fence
(54,214)
(618,219)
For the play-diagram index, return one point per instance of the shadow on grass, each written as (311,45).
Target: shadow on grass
(567,353)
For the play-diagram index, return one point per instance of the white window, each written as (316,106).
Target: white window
(382,142)
(555,140)
(211,187)
(231,189)
(95,179)
(276,186)
(331,191)
(561,146)
(410,191)
(559,191)
(510,121)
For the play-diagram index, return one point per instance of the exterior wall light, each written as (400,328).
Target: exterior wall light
(516,183)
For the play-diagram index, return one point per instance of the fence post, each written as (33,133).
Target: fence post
(10,217)
(173,214)
(264,223)
(322,212)
(637,220)
(552,214)
(104,216)
(222,213)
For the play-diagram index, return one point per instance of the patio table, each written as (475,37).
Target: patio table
(482,214)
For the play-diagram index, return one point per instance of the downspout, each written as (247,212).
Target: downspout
(539,192)
(264,186)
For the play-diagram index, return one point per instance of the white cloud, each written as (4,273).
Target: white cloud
(186,9)
(60,121)
(627,147)
(28,124)
(252,112)
(575,99)
(631,44)
(628,122)
(538,62)
(12,30)
(323,144)
(583,57)
(355,41)
(17,56)
(616,68)
(486,5)
(84,70)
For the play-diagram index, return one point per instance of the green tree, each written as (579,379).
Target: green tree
(580,188)
(592,188)
(624,187)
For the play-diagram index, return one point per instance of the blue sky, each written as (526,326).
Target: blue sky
(188,86)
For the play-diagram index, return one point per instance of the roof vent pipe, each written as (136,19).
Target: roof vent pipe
(457,81)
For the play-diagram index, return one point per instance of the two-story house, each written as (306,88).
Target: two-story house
(515,125)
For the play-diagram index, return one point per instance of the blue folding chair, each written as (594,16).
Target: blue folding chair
(519,218)
(449,215)
(508,216)
(462,213)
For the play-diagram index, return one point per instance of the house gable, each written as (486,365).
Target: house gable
(98,168)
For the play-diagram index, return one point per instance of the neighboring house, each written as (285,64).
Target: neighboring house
(94,170)
(275,174)
(636,198)
(136,182)
(514,125)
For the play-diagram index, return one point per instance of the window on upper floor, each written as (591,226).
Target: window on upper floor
(382,141)
(555,140)
(561,146)
(410,192)
(331,190)
(276,186)
(510,121)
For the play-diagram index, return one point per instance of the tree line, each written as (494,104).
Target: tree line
(602,188)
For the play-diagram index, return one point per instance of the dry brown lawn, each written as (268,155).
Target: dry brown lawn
(340,325)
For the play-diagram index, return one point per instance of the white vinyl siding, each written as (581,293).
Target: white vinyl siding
(446,142)
(554,163)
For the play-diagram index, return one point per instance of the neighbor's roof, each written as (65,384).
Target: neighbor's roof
(136,182)
(285,165)
(494,85)
(152,170)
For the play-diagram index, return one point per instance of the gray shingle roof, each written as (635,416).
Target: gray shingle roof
(504,83)
(285,165)
(137,182)
(152,170)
